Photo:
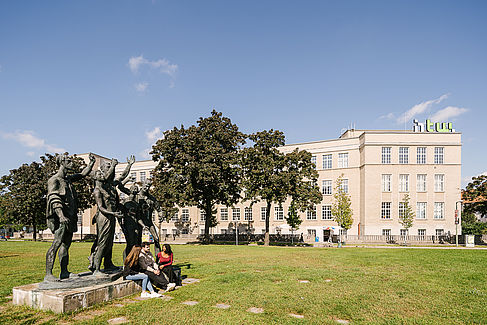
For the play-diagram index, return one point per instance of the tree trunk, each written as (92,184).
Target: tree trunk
(267,217)
(208,218)
(34,226)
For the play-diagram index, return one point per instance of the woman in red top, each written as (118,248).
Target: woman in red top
(165,259)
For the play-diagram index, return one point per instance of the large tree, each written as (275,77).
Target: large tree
(264,166)
(475,195)
(165,190)
(24,189)
(205,158)
(273,176)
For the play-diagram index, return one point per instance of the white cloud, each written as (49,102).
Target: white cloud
(447,113)
(418,109)
(162,65)
(389,116)
(30,140)
(146,153)
(141,87)
(153,135)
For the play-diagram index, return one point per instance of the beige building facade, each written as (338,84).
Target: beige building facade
(379,167)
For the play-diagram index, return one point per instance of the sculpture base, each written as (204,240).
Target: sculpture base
(69,300)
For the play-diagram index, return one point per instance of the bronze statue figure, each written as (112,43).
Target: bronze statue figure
(147,205)
(62,213)
(109,208)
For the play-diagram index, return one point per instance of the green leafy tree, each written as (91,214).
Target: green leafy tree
(474,199)
(264,176)
(293,219)
(205,158)
(407,215)
(341,208)
(24,191)
(475,195)
(165,190)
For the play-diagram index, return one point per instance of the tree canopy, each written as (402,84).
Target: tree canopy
(23,192)
(205,158)
(273,176)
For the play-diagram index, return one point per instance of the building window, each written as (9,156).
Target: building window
(133,176)
(185,215)
(327,187)
(327,162)
(143,177)
(403,183)
(421,183)
(202,215)
(326,212)
(439,182)
(263,213)
(312,233)
(185,231)
(403,155)
(311,214)
(279,213)
(175,217)
(224,214)
(236,214)
(439,210)
(421,155)
(439,155)
(342,160)
(313,160)
(175,232)
(386,232)
(402,209)
(386,155)
(248,214)
(421,210)
(440,232)
(164,232)
(421,232)
(386,182)
(344,185)
(385,212)
(403,232)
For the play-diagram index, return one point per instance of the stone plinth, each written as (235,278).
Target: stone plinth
(68,300)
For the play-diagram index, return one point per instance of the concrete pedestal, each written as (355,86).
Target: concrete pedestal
(68,300)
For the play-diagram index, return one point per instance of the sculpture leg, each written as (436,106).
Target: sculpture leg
(155,236)
(107,261)
(51,253)
(102,225)
(64,252)
(130,237)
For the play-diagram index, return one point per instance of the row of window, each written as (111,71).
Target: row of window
(420,155)
(439,210)
(328,160)
(248,216)
(386,181)
(421,232)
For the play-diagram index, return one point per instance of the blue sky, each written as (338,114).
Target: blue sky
(106,76)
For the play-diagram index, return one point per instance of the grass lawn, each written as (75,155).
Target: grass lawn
(368,286)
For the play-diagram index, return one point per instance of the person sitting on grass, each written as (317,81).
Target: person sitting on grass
(165,260)
(149,266)
(131,272)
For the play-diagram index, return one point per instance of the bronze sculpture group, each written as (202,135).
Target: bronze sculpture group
(133,214)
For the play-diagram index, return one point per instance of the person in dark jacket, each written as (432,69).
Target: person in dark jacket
(149,266)
(131,272)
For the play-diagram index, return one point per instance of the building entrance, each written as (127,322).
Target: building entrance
(326,235)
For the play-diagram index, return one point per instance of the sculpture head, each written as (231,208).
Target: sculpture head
(134,189)
(145,187)
(99,176)
(65,161)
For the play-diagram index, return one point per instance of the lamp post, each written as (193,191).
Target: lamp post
(457,220)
